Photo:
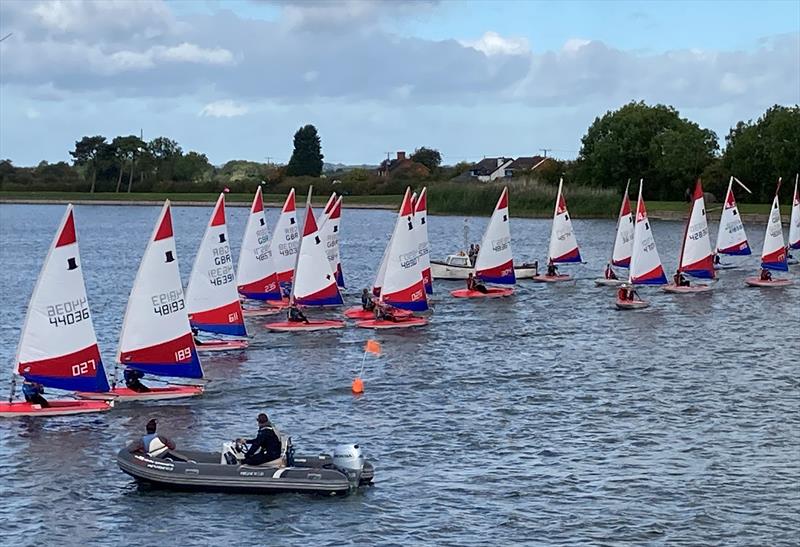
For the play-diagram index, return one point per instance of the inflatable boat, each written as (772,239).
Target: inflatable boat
(224,471)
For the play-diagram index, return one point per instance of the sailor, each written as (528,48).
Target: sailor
(295,315)
(680,279)
(384,312)
(266,446)
(33,393)
(133,380)
(475,285)
(152,443)
(766,275)
(552,271)
(196,336)
(716,260)
(366,301)
(610,272)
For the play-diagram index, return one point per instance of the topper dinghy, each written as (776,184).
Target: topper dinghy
(731,237)
(773,253)
(286,241)
(794,221)
(623,244)
(58,346)
(329,223)
(257,277)
(156,338)
(495,261)
(563,247)
(314,284)
(421,221)
(212,299)
(645,265)
(696,258)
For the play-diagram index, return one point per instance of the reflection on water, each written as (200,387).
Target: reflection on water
(548,417)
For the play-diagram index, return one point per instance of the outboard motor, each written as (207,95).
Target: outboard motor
(348,459)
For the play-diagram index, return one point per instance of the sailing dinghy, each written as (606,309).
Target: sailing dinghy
(623,244)
(257,277)
(421,220)
(212,299)
(696,258)
(773,253)
(329,233)
(731,237)
(156,338)
(563,245)
(286,241)
(314,284)
(402,286)
(495,261)
(58,346)
(794,224)
(645,265)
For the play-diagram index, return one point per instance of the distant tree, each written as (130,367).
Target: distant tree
(164,153)
(759,152)
(429,157)
(85,153)
(307,156)
(653,142)
(127,149)
(192,167)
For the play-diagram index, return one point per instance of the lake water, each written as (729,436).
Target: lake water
(546,418)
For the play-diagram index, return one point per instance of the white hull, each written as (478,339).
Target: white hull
(685,290)
(440,270)
(603,282)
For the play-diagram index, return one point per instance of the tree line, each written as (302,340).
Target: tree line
(635,141)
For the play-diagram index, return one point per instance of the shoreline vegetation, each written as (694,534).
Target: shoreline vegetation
(528,200)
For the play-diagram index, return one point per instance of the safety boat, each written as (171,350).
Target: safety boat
(563,247)
(696,259)
(257,278)
(773,253)
(314,283)
(458,267)
(495,261)
(623,244)
(58,346)
(224,471)
(645,264)
(156,339)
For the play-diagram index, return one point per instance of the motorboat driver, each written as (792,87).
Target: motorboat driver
(265,446)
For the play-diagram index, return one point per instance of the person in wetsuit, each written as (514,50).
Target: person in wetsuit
(33,393)
(610,272)
(195,336)
(766,275)
(552,271)
(474,285)
(366,301)
(296,316)
(265,446)
(133,380)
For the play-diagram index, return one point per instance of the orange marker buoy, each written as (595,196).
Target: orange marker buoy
(358,385)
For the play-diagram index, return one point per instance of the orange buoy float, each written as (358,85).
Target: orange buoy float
(358,386)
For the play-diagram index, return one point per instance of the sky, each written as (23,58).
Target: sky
(235,79)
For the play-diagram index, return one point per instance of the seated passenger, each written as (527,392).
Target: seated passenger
(32,391)
(296,316)
(133,380)
(766,275)
(474,285)
(265,447)
(366,301)
(152,444)
(552,271)
(610,272)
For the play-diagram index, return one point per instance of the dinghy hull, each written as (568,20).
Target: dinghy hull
(221,345)
(691,289)
(491,292)
(399,324)
(56,408)
(119,394)
(603,282)
(774,283)
(357,312)
(632,304)
(552,278)
(288,326)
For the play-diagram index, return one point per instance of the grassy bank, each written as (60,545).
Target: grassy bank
(528,199)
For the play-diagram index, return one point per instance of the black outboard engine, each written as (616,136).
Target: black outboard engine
(349,459)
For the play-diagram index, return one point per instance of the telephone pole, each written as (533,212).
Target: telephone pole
(546,150)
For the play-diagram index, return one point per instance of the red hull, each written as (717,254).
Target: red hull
(758,282)
(632,304)
(222,345)
(542,278)
(287,326)
(357,312)
(491,292)
(401,324)
(56,408)
(155,393)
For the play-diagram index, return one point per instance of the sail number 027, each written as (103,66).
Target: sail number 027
(84,368)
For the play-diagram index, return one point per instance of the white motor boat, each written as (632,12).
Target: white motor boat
(459,267)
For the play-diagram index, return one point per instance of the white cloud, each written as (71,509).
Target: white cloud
(223,109)
(491,43)
(191,53)
(574,44)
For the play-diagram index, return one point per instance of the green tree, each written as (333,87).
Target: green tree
(653,142)
(759,152)
(306,160)
(127,150)
(85,153)
(192,167)
(429,157)
(164,153)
